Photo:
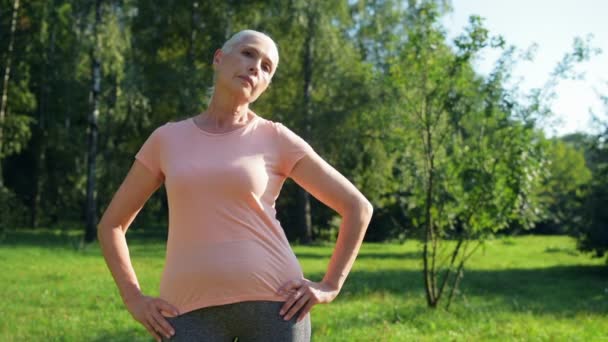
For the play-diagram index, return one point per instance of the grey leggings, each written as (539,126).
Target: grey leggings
(245,321)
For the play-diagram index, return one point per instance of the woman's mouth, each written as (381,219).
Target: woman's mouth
(248,80)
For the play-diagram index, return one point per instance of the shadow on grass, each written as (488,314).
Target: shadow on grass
(69,239)
(146,243)
(365,255)
(125,335)
(45,238)
(563,290)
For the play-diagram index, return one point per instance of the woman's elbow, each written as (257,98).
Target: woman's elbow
(362,209)
(367,209)
(101,232)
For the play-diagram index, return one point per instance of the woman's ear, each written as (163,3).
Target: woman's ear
(217,56)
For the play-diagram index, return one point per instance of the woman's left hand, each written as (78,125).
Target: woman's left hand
(304,294)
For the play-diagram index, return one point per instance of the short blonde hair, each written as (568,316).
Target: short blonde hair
(237,37)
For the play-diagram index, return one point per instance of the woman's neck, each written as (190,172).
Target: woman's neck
(225,113)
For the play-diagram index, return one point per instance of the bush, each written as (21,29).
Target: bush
(11,210)
(593,236)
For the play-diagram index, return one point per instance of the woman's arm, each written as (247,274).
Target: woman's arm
(137,187)
(326,184)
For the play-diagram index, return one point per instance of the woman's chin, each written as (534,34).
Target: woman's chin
(246,95)
(240,94)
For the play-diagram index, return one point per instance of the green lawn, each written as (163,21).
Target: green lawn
(517,289)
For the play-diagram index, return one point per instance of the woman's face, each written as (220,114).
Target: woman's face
(246,70)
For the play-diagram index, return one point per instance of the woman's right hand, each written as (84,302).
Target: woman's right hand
(151,312)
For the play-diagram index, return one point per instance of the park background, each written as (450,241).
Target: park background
(488,224)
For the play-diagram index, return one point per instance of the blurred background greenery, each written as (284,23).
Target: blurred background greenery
(448,156)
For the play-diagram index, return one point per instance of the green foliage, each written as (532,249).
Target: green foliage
(11,211)
(381,72)
(16,133)
(593,233)
(470,161)
(565,178)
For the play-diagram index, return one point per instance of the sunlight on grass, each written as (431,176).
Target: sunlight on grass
(517,289)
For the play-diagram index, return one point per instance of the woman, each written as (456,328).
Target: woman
(229,270)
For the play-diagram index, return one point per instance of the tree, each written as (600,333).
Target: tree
(14,130)
(15,101)
(467,168)
(592,235)
(91,211)
(5,80)
(562,191)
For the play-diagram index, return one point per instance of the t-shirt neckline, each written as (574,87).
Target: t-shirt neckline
(202,131)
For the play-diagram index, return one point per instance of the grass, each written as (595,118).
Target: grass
(529,288)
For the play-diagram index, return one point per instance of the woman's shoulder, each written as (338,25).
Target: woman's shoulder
(269,124)
(283,133)
(167,132)
(173,127)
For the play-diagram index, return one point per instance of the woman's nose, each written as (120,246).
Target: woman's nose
(255,67)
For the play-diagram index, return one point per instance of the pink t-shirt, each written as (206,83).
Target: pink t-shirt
(225,244)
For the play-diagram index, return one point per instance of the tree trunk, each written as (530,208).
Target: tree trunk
(194,24)
(429,239)
(40,136)
(7,77)
(91,209)
(303,203)
(40,162)
(186,98)
(429,271)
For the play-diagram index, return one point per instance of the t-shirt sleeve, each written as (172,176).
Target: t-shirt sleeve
(150,154)
(292,148)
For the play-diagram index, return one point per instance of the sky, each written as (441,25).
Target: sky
(552,25)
